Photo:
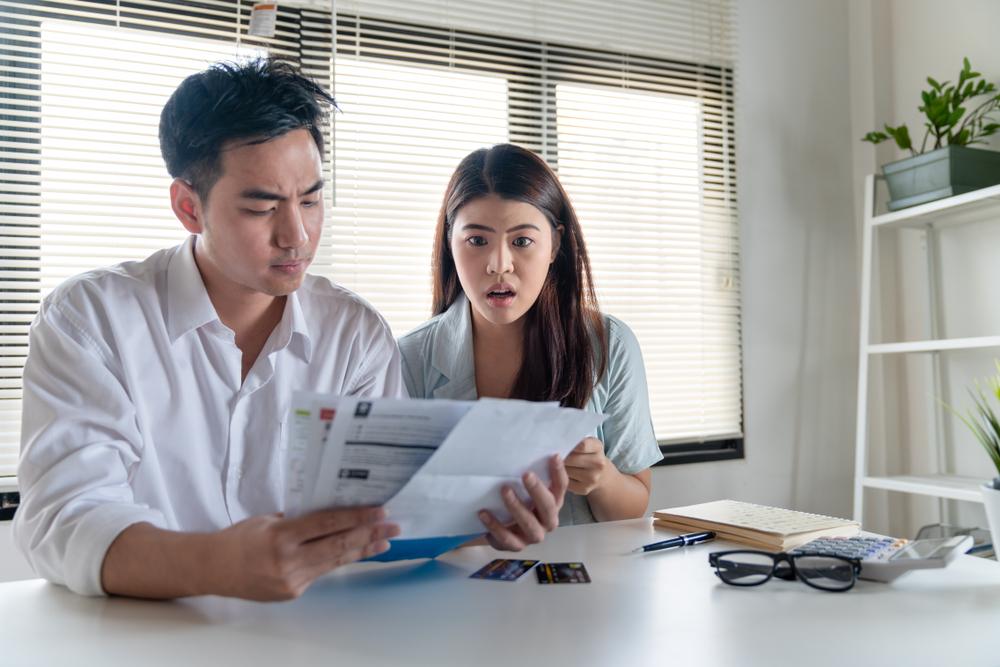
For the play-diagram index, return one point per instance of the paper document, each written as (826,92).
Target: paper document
(433,463)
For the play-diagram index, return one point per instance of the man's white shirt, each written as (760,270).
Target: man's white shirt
(134,410)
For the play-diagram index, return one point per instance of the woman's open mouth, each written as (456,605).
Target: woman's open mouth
(500,296)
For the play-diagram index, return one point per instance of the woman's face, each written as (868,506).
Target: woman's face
(502,250)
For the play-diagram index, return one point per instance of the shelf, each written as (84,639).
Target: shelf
(940,486)
(982,204)
(977,343)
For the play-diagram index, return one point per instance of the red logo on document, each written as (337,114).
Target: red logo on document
(326,414)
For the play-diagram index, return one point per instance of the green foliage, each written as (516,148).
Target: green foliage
(945,105)
(982,420)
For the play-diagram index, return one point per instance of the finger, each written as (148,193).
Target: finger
(577,456)
(546,508)
(327,522)
(558,479)
(500,536)
(528,524)
(371,549)
(341,548)
(589,446)
(583,467)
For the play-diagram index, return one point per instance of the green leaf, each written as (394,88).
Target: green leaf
(961,139)
(956,116)
(934,84)
(902,136)
(965,64)
(875,137)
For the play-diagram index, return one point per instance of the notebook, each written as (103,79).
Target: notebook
(758,526)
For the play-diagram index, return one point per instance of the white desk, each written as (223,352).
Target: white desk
(657,609)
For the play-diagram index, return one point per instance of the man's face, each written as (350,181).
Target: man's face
(263,218)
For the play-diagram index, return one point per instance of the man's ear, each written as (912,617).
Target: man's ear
(557,235)
(187,205)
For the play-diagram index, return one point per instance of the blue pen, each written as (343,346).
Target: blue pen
(679,541)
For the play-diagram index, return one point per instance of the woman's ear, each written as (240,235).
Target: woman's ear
(557,235)
(187,205)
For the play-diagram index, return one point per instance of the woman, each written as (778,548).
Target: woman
(516,317)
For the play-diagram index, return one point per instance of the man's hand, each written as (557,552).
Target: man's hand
(530,525)
(273,558)
(587,466)
(265,557)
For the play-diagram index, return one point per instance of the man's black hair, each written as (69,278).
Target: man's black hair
(250,102)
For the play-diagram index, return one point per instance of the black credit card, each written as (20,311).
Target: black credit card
(503,569)
(562,573)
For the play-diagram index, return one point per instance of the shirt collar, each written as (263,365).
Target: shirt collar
(293,331)
(188,305)
(452,352)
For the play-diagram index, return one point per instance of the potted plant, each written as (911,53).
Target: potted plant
(956,116)
(985,425)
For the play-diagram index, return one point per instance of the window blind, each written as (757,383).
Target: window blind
(631,103)
(421,83)
(82,183)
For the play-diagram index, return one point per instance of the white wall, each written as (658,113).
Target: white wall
(800,266)
(902,42)
(12,565)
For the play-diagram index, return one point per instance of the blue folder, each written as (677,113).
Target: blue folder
(426,547)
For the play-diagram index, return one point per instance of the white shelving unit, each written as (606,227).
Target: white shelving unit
(980,205)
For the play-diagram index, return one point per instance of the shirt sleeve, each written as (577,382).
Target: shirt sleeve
(629,441)
(79,443)
(380,374)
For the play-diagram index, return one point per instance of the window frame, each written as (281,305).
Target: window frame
(416,41)
(532,121)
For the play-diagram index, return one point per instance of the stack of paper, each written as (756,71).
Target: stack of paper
(758,526)
(432,463)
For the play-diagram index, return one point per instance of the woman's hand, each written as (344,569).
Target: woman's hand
(529,525)
(587,467)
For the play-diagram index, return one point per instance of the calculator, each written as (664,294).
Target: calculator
(885,558)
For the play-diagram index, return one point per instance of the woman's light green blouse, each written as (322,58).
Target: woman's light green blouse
(438,363)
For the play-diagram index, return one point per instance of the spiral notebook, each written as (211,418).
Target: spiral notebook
(759,526)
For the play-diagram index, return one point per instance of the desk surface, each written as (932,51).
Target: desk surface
(665,608)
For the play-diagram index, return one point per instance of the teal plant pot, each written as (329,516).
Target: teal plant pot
(940,173)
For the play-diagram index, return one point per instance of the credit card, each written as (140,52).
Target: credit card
(503,569)
(562,573)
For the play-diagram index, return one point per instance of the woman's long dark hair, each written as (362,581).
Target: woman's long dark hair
(563,328)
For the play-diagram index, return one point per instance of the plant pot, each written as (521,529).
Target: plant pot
(940,173)
(991,499)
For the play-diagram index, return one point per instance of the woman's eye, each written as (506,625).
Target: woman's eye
(476,241)
(522,242)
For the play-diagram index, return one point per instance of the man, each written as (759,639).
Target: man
(155,392)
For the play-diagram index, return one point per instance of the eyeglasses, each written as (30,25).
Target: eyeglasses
(753,568)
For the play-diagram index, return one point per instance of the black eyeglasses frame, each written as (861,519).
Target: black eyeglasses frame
(791,573)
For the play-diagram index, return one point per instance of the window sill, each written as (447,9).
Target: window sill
(8,505)
(701,452)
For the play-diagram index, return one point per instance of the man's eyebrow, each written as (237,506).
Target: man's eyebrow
(264,195)
(316,187)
